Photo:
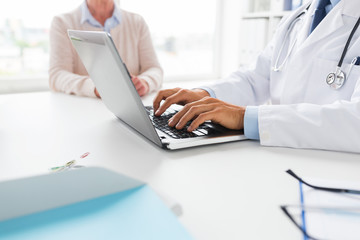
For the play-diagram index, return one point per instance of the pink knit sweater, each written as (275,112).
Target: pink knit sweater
(132,39)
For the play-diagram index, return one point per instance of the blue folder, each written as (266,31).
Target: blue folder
(136,213)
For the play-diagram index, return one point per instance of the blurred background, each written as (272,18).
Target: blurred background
(195,40)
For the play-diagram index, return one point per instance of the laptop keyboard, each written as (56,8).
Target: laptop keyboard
(161,123)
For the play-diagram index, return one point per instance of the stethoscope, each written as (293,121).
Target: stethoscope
(277,67)
(334,79)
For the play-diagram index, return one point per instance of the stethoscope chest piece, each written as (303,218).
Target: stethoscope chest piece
(336,79)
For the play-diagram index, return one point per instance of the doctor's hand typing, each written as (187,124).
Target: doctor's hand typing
(199,107)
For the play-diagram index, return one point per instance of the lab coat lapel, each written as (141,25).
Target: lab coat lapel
(351,8)
(332,22)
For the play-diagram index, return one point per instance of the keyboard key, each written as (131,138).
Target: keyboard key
(198,133)
(203,131)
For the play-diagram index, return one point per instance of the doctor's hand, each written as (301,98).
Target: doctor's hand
(176,96)
(142,87)
(207,108)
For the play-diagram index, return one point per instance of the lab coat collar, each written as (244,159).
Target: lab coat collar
(350,8)
(331,23)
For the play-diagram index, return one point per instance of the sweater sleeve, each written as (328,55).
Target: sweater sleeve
(61,70)
(150,69)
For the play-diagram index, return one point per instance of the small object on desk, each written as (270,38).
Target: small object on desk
(85,155)
(56,169)
(69,165)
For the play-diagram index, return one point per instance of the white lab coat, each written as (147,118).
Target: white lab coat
(305,112)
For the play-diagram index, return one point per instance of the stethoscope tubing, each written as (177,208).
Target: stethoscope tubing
(277,67)
(348,43)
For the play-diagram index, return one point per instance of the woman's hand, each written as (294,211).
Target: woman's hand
(97,93)
(142,87)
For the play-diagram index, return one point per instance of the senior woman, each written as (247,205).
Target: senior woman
(130,34)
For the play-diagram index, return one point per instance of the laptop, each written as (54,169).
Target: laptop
(113,82)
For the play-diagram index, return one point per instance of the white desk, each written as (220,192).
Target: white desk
(227,191)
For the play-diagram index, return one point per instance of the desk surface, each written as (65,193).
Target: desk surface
(227,191)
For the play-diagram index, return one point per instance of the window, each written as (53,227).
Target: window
(24,36)
(183,33)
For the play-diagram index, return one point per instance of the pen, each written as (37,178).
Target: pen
(355,61)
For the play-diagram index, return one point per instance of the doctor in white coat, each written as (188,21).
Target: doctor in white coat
(307,72)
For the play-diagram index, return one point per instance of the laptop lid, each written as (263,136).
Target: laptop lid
(103,63)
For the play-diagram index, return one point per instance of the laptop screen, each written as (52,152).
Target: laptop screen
(110,75)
